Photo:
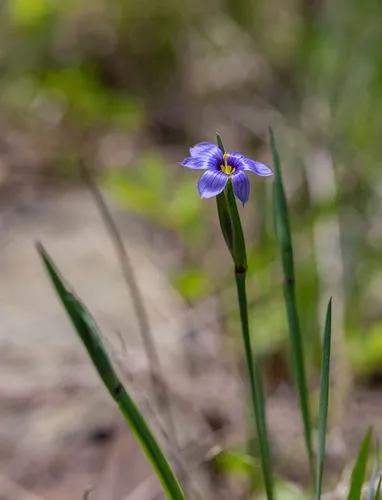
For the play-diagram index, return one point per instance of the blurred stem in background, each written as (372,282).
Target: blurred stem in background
(284,237)
(158,381)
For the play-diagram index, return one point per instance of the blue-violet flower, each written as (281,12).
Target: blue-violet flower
(222,167)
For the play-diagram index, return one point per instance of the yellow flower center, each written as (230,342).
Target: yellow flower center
(225,168)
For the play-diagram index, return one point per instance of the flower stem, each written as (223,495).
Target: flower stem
(232,230)
(256,385)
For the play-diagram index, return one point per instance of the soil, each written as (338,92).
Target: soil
(60,434)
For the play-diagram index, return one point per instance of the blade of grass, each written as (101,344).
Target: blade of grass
(284,238)
(359,469)
(378,492)
(371,489)
(374,475)
(219,140)
(90,335)
(324,399)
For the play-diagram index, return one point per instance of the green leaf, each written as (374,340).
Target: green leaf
(284,238)
(378,492)
(324,399)
(90,335)
(220,143)
(225,221)
(29,13)
(374,475)
(371,490)
(234,462)
(238,243)
(359,469)
(193,284)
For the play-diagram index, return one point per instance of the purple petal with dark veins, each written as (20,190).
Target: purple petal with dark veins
(197,162)
(211,183)
(255,167)
(205,147)
(241,186)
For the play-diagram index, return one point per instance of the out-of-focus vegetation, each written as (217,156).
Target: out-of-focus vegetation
(130,85)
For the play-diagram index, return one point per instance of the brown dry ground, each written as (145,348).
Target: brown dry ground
(59,432)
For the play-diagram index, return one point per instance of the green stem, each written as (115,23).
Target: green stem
(257,392)
(232,230)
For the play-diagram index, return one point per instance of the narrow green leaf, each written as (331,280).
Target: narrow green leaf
(371,489)
(378,492)
(238,242)
(374,475)
(324,399)
(91,338)
(223,213)
(225,221)
(359,469)
(284,238)
(220,143)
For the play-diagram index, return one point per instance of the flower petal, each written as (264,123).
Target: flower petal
(205,147)
(256,167)
(197,162)
(241,186)
(211,183)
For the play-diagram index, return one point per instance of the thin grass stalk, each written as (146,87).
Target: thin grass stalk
(359,470)
(378,492)
(90,336)
(373,482)
(284,238)
(324,399)
(158,381)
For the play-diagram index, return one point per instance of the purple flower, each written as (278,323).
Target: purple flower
(219,168)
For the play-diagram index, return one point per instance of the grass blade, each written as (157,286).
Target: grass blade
(220,143)
(91,338)
(378,492)
(324,399)
(359,469)
(286,249)
(374,476)
(157,378)
(225,221)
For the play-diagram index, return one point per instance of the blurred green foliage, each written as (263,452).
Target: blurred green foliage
(147,188)
(169,74)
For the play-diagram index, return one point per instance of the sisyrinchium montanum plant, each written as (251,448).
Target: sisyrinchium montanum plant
(224,177)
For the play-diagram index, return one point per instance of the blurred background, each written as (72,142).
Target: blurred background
(123,89)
